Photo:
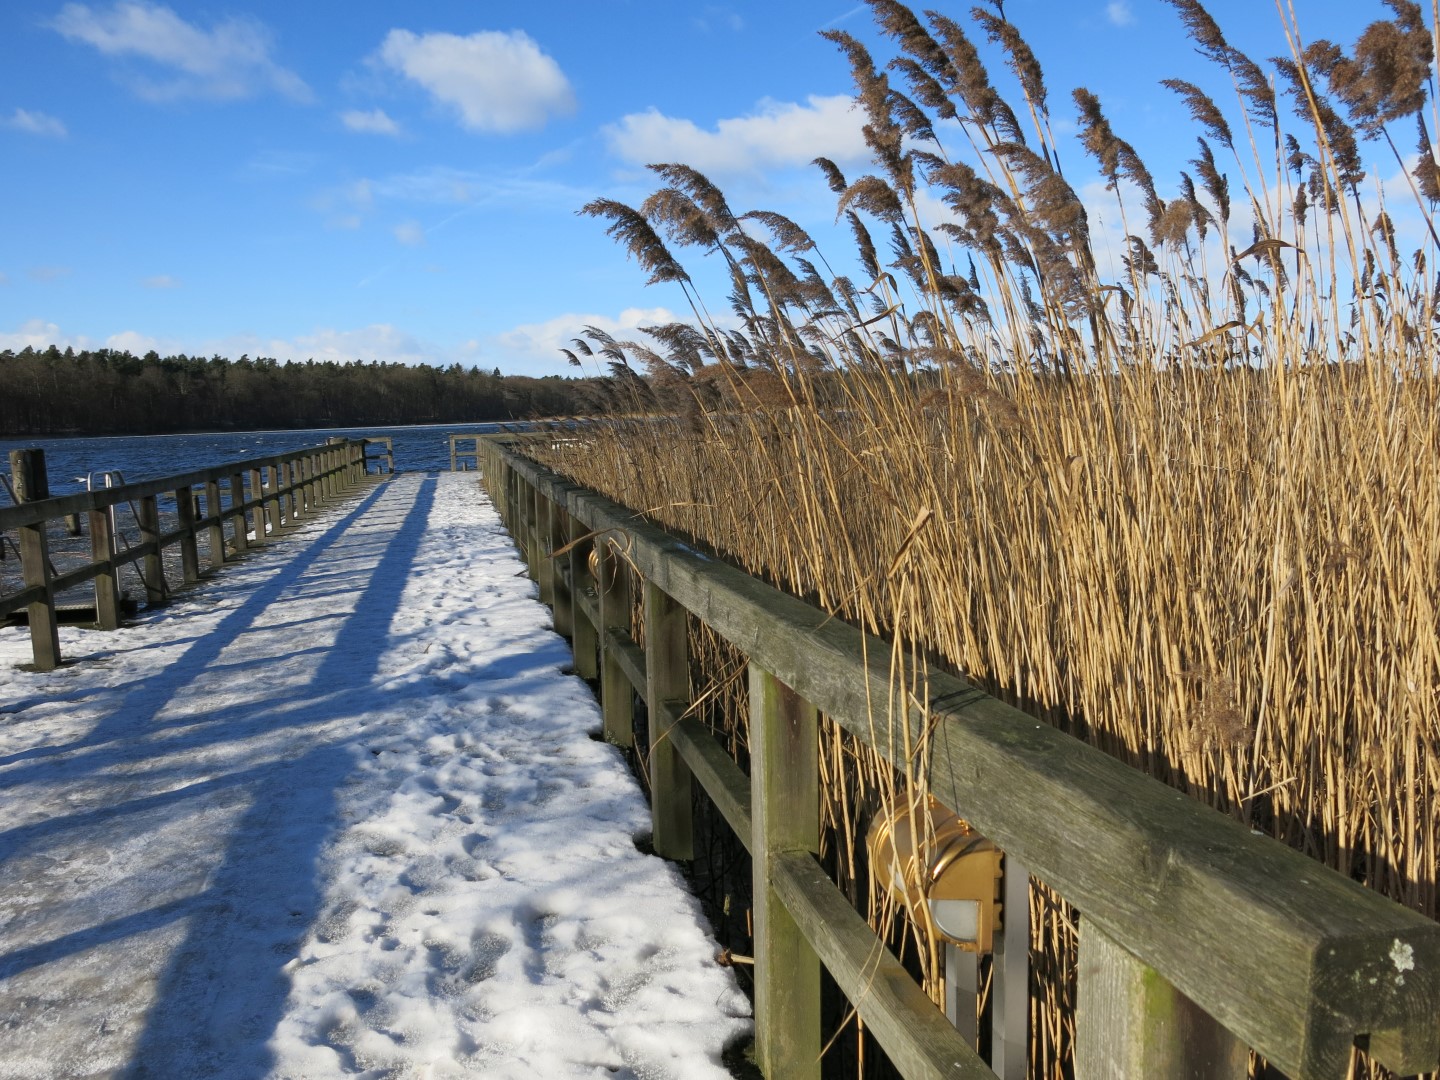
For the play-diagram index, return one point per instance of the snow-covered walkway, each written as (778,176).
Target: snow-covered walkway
(336,813)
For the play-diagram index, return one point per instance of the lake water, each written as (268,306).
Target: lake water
(418,448)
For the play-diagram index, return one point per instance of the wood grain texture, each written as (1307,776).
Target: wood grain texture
(667,679)
(785,816)
(1132,1022)
(716,772)
(107,584)
(619,681)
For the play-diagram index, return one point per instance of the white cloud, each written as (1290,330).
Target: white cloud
(1119,13)
(49,273)
(543,341)
(232,60)
(410,233)
(778,133)
(34,123)
(497,82)
(39,334)
(374,122)
(132,341)
(161,281)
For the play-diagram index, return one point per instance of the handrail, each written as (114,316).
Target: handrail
(1294,959)
(282,487)
(31,513)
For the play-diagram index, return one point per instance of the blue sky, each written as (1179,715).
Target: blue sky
(378,181)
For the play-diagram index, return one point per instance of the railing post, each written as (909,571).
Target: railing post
(217,523)
(307,484)
(529,499)
(452,452)
(583,633)
(1010,978)
(257,512)
(285,501)
(240,540)
(32,483)
(561,599)
(189,552)
(617,696)
(107,583)
(154,567)
(1129,1021)
(667,686)
(785,811)
(272,505)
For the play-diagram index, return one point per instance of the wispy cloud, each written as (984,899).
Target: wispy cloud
(34,123)
(714,17)
(161,281)
(48,273)
(233,59)
(1119,13)
(778,133)
(410,233)
(374,122)
(496,82)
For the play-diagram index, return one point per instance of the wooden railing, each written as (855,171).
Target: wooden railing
(462,455)
(1197,940)
(282,489)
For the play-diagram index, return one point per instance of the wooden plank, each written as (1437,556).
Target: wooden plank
(31,484)
(107,582)
(1132,1022)
(557,536)
(914,1033)
(1010,978)
(1321,960)
(239,541)
(785,818)
(35,572)
(667,678)
(272,505)
(257,507)
(24,598)
(153,570)
(714,770)
(581,587)
(189,551)
(213,513)
(630,657)
(619,680)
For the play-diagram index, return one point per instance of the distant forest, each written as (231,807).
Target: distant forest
(109,392)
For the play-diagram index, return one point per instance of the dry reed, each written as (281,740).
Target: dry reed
(1188,510)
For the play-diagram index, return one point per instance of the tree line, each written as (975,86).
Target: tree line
(114,392)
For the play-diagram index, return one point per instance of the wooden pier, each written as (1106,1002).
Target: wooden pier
(233,507)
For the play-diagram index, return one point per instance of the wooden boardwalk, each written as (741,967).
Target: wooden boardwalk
(335,812)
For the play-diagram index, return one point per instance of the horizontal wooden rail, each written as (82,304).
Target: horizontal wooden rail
(282,487)
(1297,961)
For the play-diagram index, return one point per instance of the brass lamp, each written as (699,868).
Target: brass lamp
(959,881)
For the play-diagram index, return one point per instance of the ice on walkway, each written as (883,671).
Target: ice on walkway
(333,814)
